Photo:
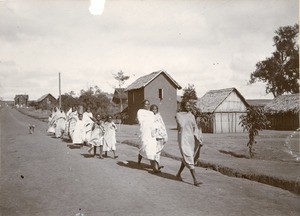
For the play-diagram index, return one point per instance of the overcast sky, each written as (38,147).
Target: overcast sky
(212,44)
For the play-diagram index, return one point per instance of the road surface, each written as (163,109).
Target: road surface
(41,175)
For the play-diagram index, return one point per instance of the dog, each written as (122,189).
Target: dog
(31,128)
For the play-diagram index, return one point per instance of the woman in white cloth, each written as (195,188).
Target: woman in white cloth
(79,131)
(71,122)
(160,134)
(60,123)
(52,121)
(188,140)
(96,139)
(109,138)
(87,118)
(147,135)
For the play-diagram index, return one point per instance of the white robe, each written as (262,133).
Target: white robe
(109,136)
(88,124)
(79,132)
(147,134)
(60,124)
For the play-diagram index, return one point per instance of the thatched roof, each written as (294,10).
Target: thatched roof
(213,98)
(119,94)
(258,102)
(44,96)
(145,80)
(284,103)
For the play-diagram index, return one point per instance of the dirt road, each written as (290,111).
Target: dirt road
(41,175)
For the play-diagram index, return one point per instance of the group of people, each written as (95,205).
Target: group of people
(153,136)
(81,128)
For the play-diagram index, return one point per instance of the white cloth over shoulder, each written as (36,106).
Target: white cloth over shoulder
(109,136)
(79,132)
(147,134)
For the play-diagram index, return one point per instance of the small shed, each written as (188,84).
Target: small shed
(283,112)
(21,100)
(224,106)
(120,97)
(47,101)
(157,87)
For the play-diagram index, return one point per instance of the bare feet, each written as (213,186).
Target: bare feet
(160,167)
(101,157)
(197,183)
(179,177)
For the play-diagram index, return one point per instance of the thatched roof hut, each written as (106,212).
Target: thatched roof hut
(258,102)
(283,112)
(225,107)
(214,98)
(284,104)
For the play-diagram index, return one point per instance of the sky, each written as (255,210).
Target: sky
(211,44)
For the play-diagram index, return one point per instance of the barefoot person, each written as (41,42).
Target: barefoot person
(96,139)
(160,134)
(187,137)
(87,118)
(79,131)
(147,135)
(109,138)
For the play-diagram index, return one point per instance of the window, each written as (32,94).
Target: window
(160,93)
(132,97)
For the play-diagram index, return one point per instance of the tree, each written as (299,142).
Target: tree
(281,70)
(189,93)
(121,78)
(255,120)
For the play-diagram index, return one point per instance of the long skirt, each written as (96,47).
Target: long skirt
(159,147)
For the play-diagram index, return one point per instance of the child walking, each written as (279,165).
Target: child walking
(110,136)
(96,139)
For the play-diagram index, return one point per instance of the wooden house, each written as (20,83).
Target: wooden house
(157,87)
(224,106)
(47,101)
(21,100)
(283,112)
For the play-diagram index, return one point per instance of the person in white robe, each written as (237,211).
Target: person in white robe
(79,131)
(52,121)
(160,134)
(96,139)
(72,117)
(109,138)
(87,118)
(147,137)
(60,123)
(189,138)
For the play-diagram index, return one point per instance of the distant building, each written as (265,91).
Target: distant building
(21,100)
(120,97)
(283,112)
(157,87)
(47,101)
(225,106)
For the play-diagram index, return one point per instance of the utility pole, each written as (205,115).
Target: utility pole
(59,91)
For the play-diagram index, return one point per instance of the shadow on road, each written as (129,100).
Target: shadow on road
(146,167)
(134,165)
(90,155)
(74,146)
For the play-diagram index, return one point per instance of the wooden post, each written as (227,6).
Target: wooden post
(59,91)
